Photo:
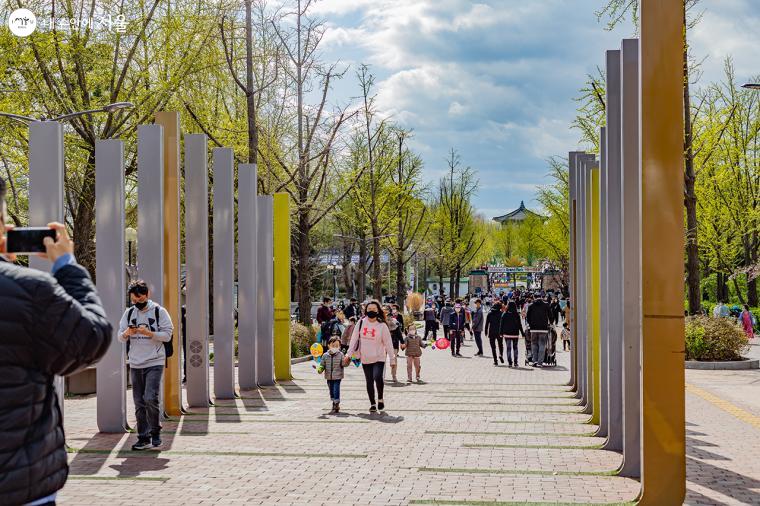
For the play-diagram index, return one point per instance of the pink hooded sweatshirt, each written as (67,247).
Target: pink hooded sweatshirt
(375,342)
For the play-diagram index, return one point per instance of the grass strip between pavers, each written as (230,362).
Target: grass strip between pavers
(496,403)
(551,422)
(318,421)
(536,472)
(535,446)
(550,434)
(202,415)
(513,503)
(550,411)
(153,453)
(118,478)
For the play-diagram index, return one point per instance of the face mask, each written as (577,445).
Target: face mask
(457,307)
(332,351)
(141,305)
(372,314)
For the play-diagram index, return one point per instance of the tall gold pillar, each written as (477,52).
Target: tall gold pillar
(595,385)
(172,380)
(282,287)
(663,479)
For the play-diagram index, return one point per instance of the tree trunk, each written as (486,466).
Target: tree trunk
(304,268)
(690,198)
(362,267)
(400,280)
(752,292)
(84,219)
(721,291)
(249,95)
(377,275)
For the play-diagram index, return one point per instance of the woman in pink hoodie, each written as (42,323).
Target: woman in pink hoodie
(371,341)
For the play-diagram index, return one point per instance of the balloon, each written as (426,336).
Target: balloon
(316,350)
(442,343)
(356,360)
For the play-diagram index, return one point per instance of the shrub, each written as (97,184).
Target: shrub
(408,320)
(714,339)
(414,302)
(301,338)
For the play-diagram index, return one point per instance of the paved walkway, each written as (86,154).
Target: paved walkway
(472,432)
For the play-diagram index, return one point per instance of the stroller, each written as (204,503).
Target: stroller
(550,357)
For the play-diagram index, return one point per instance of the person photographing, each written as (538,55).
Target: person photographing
(49,325)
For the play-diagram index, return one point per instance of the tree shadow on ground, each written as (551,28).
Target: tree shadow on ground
(737,486)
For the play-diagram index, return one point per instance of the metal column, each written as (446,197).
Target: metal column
(109,232)
(224,274)
(46,166)
(150,209)
(573,255)
(663,478)
(265,304)
(602,287)
(247,266)
(631,258)
(614,269)
(587,161)
(196,258)
(171,251)
(282,287)
(593,291)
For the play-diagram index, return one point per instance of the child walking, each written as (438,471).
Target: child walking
(565,336)
(332,367)
(413,348)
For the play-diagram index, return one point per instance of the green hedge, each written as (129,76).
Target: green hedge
(714,339)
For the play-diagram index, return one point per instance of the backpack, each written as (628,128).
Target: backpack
(168,345)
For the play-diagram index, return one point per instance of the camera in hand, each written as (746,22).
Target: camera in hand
(28,240)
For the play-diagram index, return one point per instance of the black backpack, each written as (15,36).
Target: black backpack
(168,345)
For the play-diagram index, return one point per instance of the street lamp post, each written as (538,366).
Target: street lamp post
(110,108)
(130,234)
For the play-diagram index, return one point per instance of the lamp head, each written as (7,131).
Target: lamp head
(118,105)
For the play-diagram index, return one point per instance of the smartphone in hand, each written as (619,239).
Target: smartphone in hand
(28,240)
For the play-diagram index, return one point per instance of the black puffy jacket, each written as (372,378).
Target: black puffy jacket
(48,326)
(493,323)
(511,324)
(538,315)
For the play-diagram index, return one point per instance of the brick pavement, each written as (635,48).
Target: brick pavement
(473,432)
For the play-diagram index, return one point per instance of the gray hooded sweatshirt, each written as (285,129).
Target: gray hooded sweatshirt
(145,352)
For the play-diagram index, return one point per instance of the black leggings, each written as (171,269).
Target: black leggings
(374,373)
(493,341)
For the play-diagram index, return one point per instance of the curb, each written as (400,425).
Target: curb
(298,360)
(724,366)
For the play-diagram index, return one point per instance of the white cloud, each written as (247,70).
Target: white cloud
(496,79)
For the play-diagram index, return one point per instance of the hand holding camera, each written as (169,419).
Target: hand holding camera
(48,242)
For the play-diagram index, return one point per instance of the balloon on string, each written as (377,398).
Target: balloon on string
(442,343)
(316,350)
(356,360)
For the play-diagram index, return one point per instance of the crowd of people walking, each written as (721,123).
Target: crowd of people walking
(375,333)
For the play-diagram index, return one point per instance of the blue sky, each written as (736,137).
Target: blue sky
(496,79)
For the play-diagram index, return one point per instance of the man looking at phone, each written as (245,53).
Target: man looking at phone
(49,325)
(147,326)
